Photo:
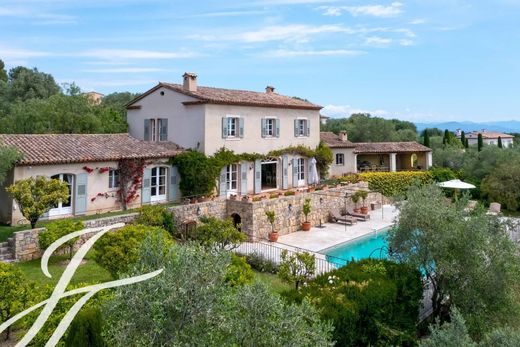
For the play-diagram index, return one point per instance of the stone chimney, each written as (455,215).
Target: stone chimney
(269,89)
(190,82)
(343,136)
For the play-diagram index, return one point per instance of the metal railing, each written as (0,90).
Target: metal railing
(272,251)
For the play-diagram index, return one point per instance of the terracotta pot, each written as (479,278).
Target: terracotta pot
(306,226)
(273,236)
(357,210)
(311,189)
(364,210)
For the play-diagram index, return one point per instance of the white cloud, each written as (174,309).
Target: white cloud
(114,54)
(417,21)
(406,42)
(378,41)
(338,111)
(37,17)
(226,14)
(21,53)
(283,53)
(125,70)
(392,10)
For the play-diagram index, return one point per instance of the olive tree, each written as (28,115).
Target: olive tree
(37,195)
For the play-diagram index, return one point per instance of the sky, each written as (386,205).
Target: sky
(418,60)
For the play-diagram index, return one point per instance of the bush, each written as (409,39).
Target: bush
(370,302)
(297,268)
(117,250)
(156,216)
(239,271)
(394,183)
(218,233)
(443,174)
(198,173)
(53,231)
(85,330)
(261,264)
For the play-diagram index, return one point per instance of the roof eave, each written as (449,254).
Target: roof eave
(219,102)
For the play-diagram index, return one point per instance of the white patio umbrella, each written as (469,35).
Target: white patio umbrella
(314,178)
(456,184)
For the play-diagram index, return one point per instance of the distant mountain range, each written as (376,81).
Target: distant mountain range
(512,126)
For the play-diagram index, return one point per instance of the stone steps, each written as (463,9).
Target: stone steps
(6,251)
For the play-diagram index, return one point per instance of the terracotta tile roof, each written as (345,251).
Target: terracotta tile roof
(390,147)
(45,149)
(488,135)
(210,95)
(333,140)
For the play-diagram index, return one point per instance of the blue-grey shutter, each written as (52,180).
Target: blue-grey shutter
(174,184)
(224,127)
(308,125)
(258,176)
(285,172)
(147,130)
(309,169)
(295,172)
(80,199)
(277,124)
(241,127)
(146,189)
(264,130)
(163,134)
(222,183)
(244,167)
(296,127)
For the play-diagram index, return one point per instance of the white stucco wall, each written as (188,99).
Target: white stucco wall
(252,140)
(350,162)
(185,123)
(505,142)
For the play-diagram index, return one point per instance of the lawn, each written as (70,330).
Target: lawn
(275,283)
(89,272)
(7,231)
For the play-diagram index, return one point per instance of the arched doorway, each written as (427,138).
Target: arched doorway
(237,221)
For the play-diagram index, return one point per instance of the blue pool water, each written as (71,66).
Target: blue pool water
(373,246)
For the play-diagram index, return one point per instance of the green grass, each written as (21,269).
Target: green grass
(89,272)
(273,281)
(7,231)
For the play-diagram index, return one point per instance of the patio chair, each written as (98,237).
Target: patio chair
(359,216)
(494,208)
(337,217)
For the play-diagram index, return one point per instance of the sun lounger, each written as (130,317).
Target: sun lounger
(359,216)
(337,217)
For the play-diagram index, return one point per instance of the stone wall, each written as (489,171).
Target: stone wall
(187,213)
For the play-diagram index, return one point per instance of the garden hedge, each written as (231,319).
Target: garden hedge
(390,183)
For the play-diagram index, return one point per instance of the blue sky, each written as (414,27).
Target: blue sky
(423,60)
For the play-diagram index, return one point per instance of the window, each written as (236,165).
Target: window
(158,184)
(231,177)
(301,169)
(301,127)
(162,128)
(340,159)
(153,130)
(270,127)
(232,126)
(113,178)
(63,207)
(156,129)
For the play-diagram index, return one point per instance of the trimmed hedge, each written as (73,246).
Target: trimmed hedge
(390,183)
(369,302)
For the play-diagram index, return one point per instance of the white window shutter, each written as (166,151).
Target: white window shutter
(224,128)
(308,125)
(264,128)
(295,172)
(241,126)
(277,124)
(296,127)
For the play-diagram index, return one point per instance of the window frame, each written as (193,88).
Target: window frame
(270,127)
(342,161)
(232,177)
(232,124)
(113,179)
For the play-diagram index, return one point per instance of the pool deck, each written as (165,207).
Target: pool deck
(332,234)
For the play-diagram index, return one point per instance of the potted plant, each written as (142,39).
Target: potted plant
(355,199)
(247,198)
(273,235)
(306,226)
(363,194)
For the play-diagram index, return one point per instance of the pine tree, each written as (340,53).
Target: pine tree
(480,142)
(500,142)
(426,141)
(463,138)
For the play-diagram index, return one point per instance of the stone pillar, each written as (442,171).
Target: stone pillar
(355,162)
(393,162)
(429,160)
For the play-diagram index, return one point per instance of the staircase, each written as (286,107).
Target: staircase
(6,251)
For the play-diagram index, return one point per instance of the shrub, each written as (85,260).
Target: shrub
(218,233)
(442,174)
(55,230)
(394,183)
(370,302)
(156,216)
(297,268)
(289,193)
(117,250)
(85,330)
(239,271)
(261,264)
(198,173)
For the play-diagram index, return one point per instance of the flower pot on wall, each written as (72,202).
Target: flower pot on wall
(306,226)
(364,209)
(273,236)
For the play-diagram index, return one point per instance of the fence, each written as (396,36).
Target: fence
(273,253)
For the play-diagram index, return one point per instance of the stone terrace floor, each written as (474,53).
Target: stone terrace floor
(332,234)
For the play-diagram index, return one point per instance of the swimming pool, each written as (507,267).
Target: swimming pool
(374,245)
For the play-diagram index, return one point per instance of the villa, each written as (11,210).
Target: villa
(208,119)
(488,138)
(349,157)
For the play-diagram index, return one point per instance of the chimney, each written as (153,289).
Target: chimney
(343,136)
(190,82)
(269,89)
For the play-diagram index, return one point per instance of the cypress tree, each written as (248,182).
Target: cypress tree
(446,137)
(466,143)
(480,142)
(426,141)
(500,142)
(463,138)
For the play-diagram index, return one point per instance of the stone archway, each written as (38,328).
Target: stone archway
(237,221)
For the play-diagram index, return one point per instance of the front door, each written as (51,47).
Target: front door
(158,184)
(269,175)
(232,179)
(63,207)
(300,171)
